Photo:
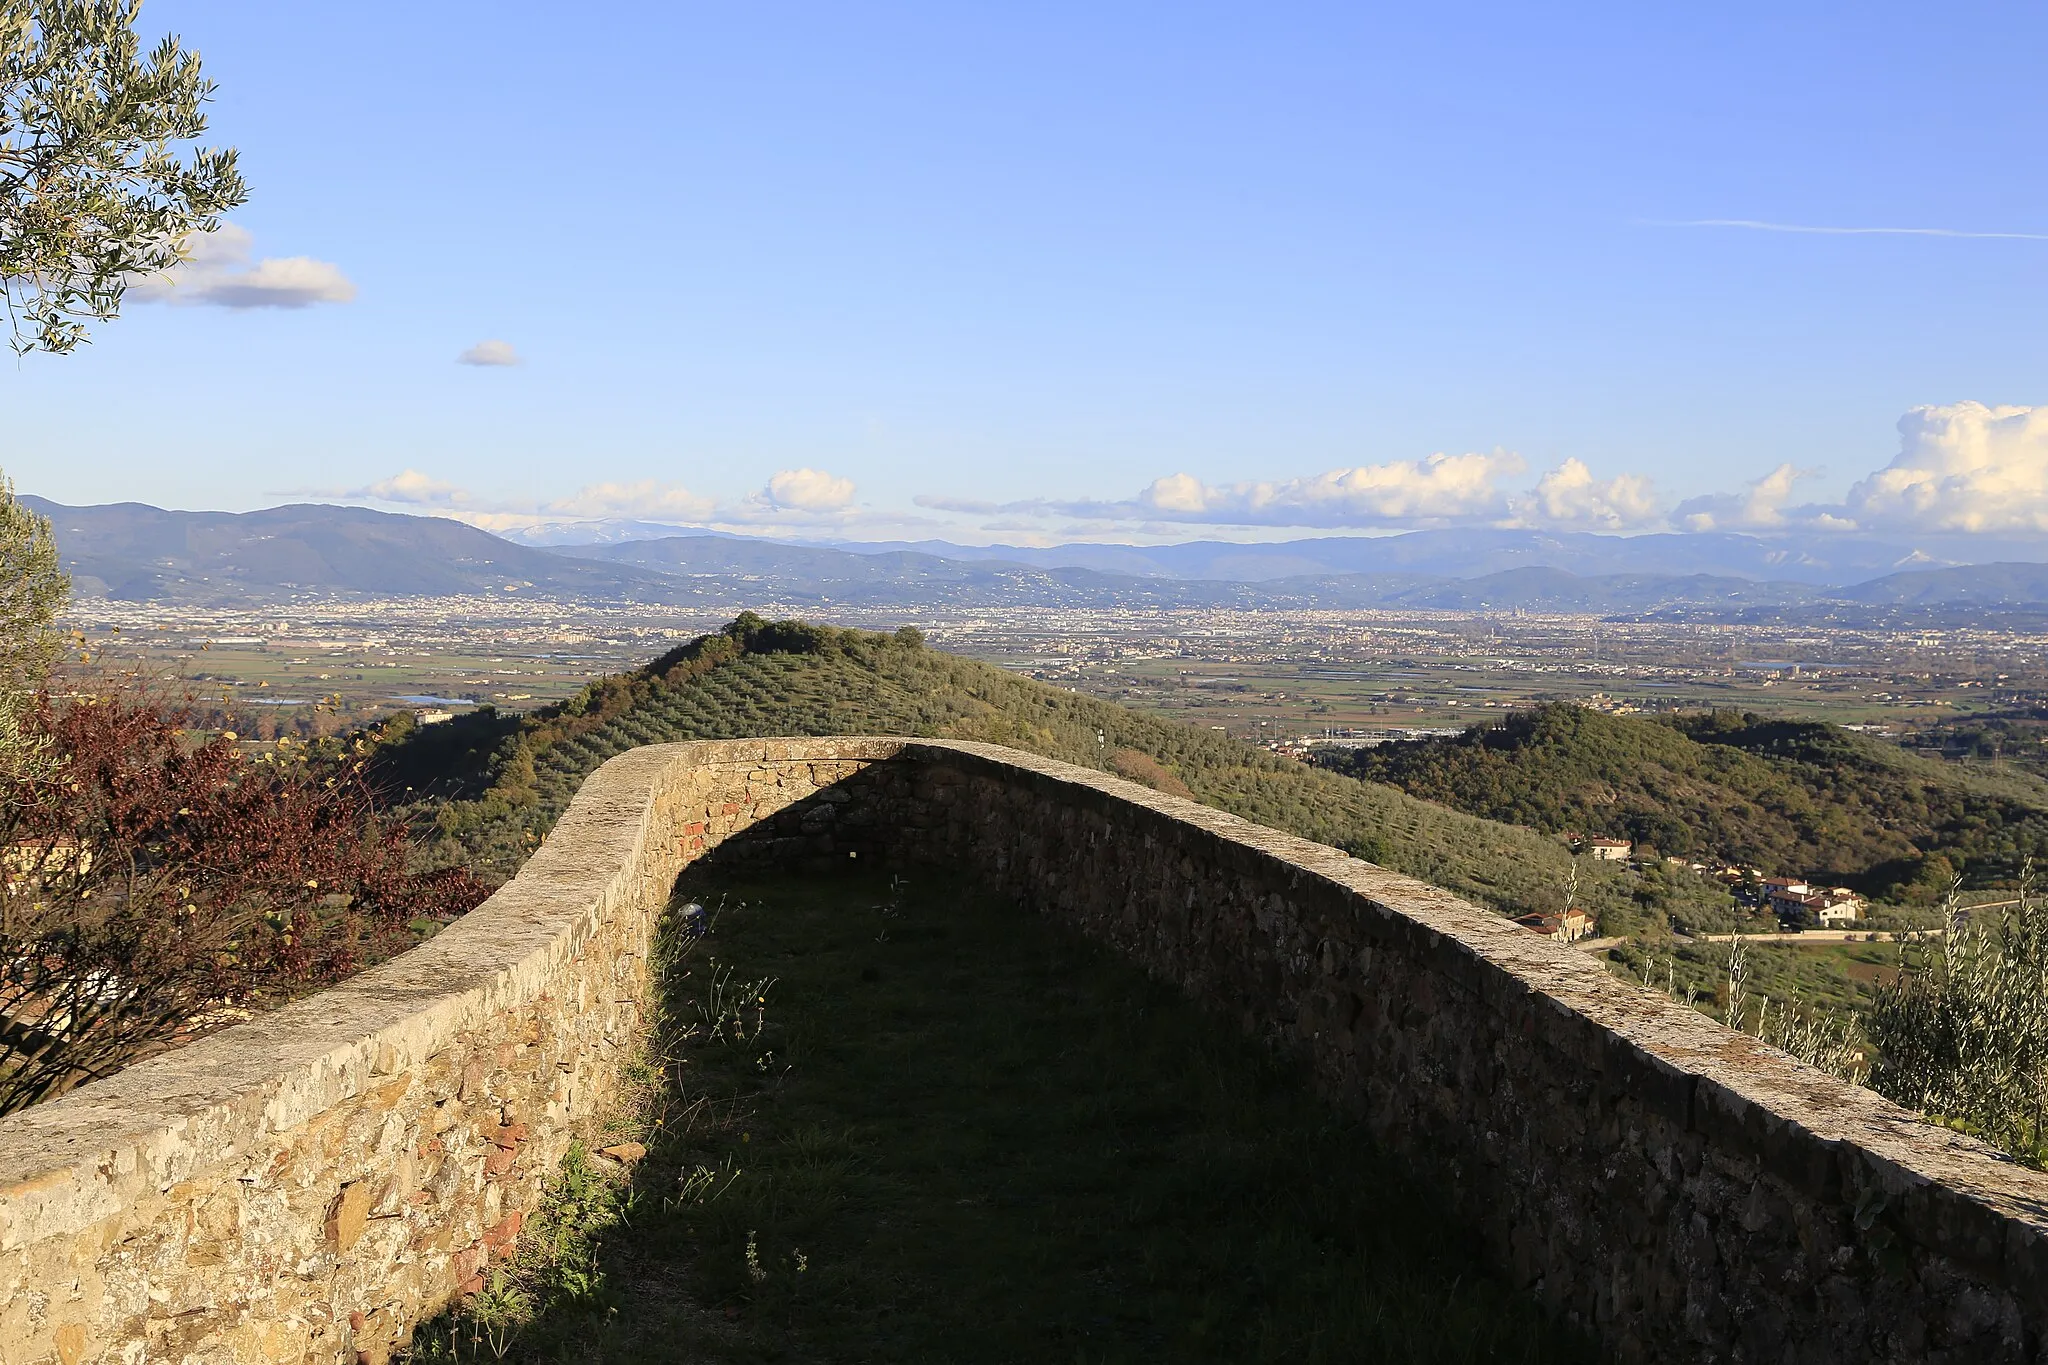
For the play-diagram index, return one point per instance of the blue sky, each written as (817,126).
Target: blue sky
(1098,271)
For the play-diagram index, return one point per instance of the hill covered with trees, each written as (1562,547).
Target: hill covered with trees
(1794,797)
(493,784)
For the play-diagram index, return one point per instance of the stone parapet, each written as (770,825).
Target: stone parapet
(309,1185)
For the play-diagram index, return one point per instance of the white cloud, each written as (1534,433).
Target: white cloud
(1402,492)
(490,353)
(1439,490)
(413,489)
(793,498)
(1758,225)
(1966,467)
(646,500)
(1569,498)
(801,497)
(1442,490)
(807,490)
(1760,506)
(217,270)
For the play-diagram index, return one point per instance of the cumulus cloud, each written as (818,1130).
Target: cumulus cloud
(489,353)
(1442,490)
(1760,506)
(411,488)
(792,497)
(1439,490)
(217,269)
(807,490)
(1569,498)
(1400,492)
(1965,467)
(798,497)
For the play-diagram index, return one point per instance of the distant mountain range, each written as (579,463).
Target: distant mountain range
(1477,552)
(1823,561)
(131,552)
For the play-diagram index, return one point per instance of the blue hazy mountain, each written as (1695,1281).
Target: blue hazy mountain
(1976,585)
(134,552)
(1829,561)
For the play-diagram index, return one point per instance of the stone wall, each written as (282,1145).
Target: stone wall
(309,1185)
(1684,1192)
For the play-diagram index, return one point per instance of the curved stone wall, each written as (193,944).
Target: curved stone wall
(308,1185)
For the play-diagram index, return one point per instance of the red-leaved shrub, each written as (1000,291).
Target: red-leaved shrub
(160,885)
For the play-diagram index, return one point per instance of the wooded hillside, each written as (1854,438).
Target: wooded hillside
(1791,797)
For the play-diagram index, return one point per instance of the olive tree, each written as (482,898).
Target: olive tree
(96,190)
(1962,1034)
(33,589)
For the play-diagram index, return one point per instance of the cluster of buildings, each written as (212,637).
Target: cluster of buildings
(1821,907)
(1797,903)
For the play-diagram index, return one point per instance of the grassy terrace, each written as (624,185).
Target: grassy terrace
(890,1122)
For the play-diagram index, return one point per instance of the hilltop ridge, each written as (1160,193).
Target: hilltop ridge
(494,783)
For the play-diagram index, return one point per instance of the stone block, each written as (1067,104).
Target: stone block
(349,1215)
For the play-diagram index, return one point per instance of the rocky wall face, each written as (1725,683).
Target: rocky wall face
(310,1185)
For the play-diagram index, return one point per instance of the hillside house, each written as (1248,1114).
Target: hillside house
(1839,912)
(1830,907)
(1568,926)
(1610,850)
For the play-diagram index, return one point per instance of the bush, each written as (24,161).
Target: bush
(156,888)
(1963,1034)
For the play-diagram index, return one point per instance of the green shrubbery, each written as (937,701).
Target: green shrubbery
(1962,1034)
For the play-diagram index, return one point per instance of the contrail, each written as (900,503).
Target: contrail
(1756,225)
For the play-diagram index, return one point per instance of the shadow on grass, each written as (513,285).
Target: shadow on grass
(895,1121)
